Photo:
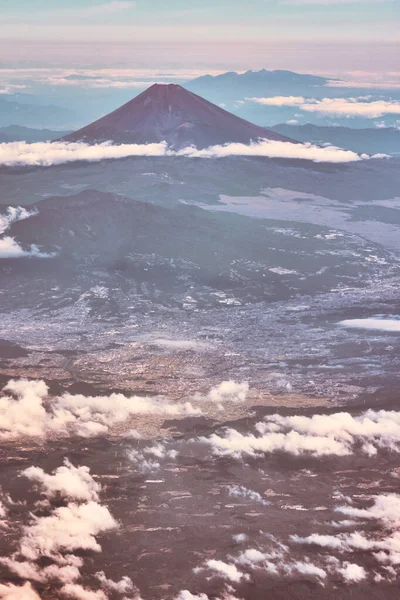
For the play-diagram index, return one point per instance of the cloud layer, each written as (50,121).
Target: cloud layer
(46,154)
(26,411)
(339,434)
(345,107)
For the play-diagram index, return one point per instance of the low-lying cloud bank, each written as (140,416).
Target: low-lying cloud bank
(27,410)
(340,434)
(346,107)
(375,324)
(9,247)
(46,154)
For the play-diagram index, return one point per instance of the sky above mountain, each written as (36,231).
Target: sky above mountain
(219,33)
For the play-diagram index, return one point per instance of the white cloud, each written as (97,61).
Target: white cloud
(146,464)
(319,435)
(376,324)
(347,107)
(239,491)
(15,592)
(72,483)
(385,508)
(307,568)
(123,586)
(9,248)
(54,153)
(274,149)
(352,572)
(186,595)
(13,214)
(228,571)
(23,412)
(229,391)
(78,592)
(67,529)
(279,100)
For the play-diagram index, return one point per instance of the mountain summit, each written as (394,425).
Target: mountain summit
(172,114)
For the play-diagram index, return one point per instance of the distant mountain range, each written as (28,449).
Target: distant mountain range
(233,90)
(369,140)
(18,133)
(35,115)
(231,87)
(170,113)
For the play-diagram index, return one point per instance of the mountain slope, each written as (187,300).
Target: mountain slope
(172,114)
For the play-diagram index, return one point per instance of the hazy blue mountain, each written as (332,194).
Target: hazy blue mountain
(19,133)
(35,115)
(370,140)
(231,87)
(232,91)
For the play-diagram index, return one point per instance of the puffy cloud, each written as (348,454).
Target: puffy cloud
(237,444)
(186,595)
(239,537)
(324,541)
(372,323)
(74,590)
(229,391)
(307,568)
(228,571)
(13,214)
(73,483)
(123,586)
(9,248)
(23,412)
(54,153)
(144,458)
(15,592)
(385,508)
(68,528)
(239,491)
(347,107)
(352,572)
(56,536)
(319,435)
